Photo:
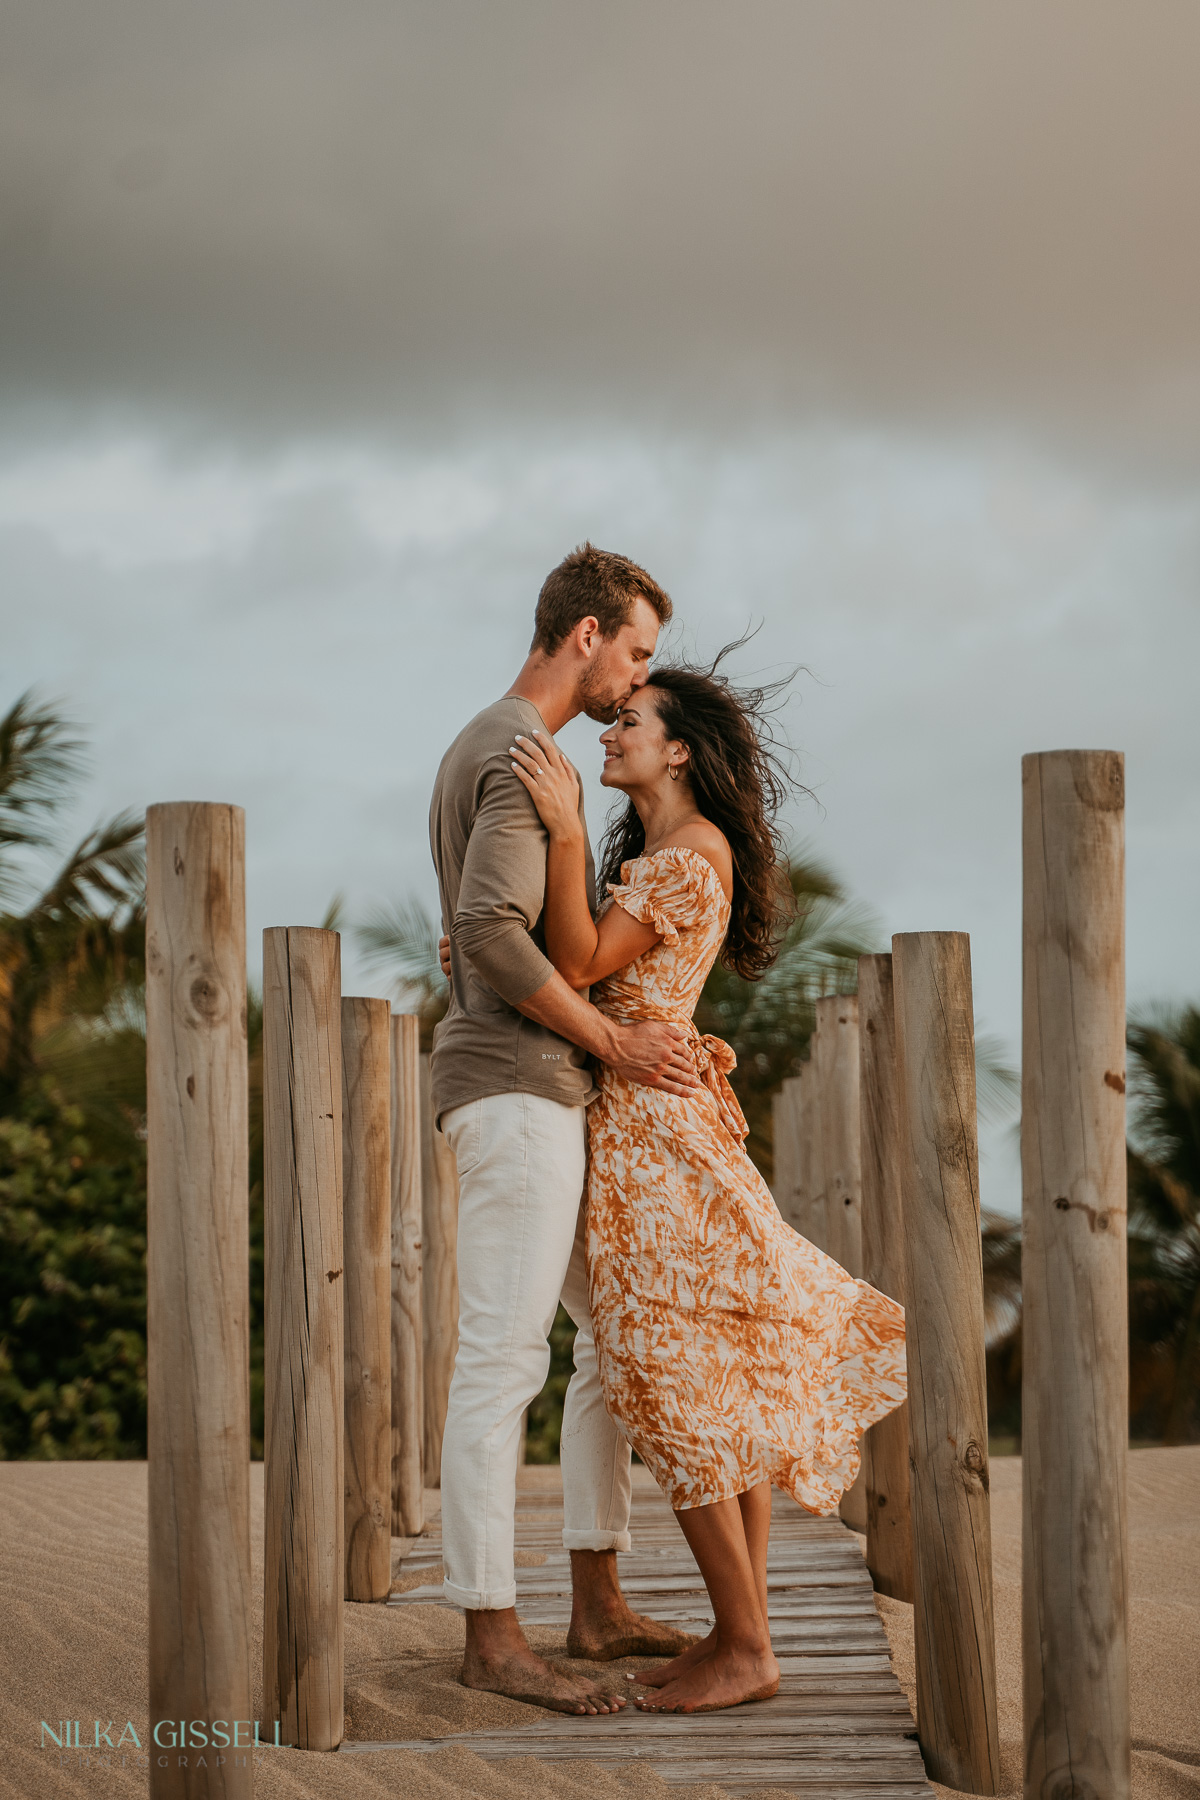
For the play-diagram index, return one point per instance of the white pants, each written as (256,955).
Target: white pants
(520,1249)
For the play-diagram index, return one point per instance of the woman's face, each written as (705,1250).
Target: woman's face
(636,749)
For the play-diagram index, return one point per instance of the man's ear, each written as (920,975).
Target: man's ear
(586,635)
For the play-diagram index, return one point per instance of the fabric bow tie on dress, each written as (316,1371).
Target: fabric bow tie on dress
(715,1061)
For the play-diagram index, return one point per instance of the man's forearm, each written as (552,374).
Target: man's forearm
(652,1052)
(572,1017)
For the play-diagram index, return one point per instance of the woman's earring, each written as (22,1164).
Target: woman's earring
(673,771)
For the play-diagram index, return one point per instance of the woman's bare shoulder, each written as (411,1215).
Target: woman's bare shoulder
(711,843)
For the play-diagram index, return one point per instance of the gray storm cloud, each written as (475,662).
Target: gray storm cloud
(350,213)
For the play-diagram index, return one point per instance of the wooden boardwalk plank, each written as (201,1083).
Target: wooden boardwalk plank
(839,1728)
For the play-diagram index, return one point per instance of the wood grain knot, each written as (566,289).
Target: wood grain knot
(206,997)
(332,1274)
(1114,1081)
(1097,1218)
(975,1463)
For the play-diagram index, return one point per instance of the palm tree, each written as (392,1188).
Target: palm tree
(1164,1224)
(401,942)
(72,946)
(72,1059)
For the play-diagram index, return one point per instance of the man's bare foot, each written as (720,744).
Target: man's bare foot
(603,1637)
(725,1678)
(603,1624)
(498,1660)
(696,1652)
(522,1675)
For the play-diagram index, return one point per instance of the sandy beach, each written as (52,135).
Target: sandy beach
(1164,1636)
(74,1646)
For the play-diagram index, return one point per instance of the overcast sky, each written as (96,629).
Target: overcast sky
(326,330)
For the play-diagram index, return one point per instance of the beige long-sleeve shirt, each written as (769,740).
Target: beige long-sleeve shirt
(489,849)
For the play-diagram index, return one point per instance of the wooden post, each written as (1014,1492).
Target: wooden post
(952,1538)
(885,1450)
(837,1054)
(198,1284)
(440,1283)
(367,1248)
(302,1161)
(408,1410)
(793,1175)
(784,1148)
(837,1064)
(1075,1389)
(810,1208)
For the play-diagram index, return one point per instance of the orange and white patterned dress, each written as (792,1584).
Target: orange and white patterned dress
(732,1351)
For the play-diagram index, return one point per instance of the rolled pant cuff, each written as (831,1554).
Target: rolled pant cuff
(597,1540)
(471,1600)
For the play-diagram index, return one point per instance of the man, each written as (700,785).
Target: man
(510,1084)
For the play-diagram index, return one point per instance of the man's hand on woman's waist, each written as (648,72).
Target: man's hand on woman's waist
(655,1053)
(651,1052)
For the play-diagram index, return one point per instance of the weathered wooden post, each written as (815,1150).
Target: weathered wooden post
(439,1297)
(304,1389)
(198,1286)
(790,1182)
(1075,1388)
(837,1054)
(885,1450)
(785,1149)
(408,1409)
(836,1059)
(952,1538)
(811,1209)
(367,1250)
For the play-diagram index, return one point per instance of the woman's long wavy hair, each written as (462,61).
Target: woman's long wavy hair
(740,778)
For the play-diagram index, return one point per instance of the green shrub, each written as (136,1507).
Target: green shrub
(72,1290)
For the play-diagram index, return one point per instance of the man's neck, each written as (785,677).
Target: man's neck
(552,690)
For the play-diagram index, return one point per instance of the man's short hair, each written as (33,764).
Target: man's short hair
(593,584)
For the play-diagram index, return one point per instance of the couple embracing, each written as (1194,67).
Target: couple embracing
(601,1159)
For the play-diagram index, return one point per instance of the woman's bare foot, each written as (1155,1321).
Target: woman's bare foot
(696,1652)
(523,1675)
(724,1678)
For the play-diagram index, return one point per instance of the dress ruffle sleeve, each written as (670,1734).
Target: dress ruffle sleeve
(670,890)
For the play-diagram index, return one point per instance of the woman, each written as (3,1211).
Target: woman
(732,1352)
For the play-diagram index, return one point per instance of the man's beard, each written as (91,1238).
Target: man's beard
(595,691)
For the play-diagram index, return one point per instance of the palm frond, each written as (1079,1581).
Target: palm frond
(997,1083)
(401,942)
(1163,1163)
(1001,1242)
(39,757)
(106,869)
(1164,1088)
(98,1064)
(335,913)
